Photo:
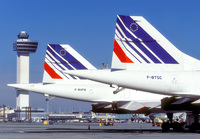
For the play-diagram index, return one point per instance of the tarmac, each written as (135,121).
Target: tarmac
(87,131)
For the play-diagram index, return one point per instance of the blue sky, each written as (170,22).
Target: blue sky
(88,26)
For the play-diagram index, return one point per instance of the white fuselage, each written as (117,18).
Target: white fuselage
(85,90)
(169,83)
(176,83)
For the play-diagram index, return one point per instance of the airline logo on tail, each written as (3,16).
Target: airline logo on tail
(134,42)
(63,57)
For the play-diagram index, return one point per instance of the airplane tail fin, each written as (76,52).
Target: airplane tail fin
(62,57)
(138,44)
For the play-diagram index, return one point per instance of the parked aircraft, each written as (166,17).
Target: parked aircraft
(143,59)
(55,83)
(4,111)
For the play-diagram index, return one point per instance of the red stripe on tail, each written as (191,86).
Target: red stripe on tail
(51,72)
(120,53)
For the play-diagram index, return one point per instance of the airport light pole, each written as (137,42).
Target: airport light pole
(47,100)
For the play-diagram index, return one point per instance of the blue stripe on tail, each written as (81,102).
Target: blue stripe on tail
(146,39)
(67,56)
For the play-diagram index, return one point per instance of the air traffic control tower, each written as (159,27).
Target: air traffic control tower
(24,47)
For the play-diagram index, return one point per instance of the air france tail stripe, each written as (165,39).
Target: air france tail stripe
(161,53)
(62,62)
(128,50)
(151,43)
(51,72)
(72,60)
(132,47)
(55,57)
(56,66)
(68,57)
(138,44)
(120,53)
(52,60)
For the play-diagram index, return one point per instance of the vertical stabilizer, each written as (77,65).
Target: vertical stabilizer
(62,57)
(138,44)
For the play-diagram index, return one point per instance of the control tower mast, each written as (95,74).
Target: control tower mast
(24,47)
